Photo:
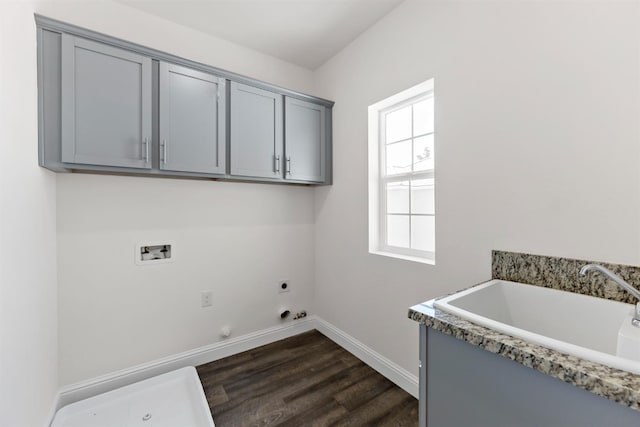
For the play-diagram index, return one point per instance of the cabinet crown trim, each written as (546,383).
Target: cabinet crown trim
(51,24)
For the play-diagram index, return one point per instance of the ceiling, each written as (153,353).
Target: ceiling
(303,32)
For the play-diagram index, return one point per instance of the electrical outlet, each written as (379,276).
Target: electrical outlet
(206,299)
(284,286)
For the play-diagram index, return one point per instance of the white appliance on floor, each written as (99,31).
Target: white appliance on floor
(172,399)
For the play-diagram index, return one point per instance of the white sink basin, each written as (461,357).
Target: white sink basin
(592,328)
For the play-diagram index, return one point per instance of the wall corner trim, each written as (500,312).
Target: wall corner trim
(94,386)
(55,405)
(392,371)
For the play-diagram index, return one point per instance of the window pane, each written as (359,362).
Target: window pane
(398,230)
(423,117)
(398,197)
(399,158)
(422,196)
(423,233)
(398,125)
(423,153)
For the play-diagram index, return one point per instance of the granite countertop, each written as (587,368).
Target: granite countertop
(614,384)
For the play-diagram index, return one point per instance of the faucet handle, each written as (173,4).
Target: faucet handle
(636,318)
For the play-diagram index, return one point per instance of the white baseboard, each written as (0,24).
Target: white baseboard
(94,386)
(396,374)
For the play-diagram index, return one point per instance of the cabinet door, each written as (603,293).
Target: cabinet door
(304,140)
(106,105)
(256,132)
(192,120)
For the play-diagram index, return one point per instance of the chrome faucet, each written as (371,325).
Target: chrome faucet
(620,282)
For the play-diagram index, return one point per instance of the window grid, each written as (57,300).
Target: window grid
(409,177)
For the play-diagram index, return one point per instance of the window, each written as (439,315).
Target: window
(401,175)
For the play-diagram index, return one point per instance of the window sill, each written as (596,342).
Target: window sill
(430,261)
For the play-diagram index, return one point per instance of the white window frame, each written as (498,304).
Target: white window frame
(378,178)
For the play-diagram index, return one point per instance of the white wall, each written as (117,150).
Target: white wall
(537,150)
(237,240)
(28,309)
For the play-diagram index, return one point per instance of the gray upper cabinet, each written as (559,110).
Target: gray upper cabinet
(105,105)
(108,105)
(305,148)
(192,120)
(256,132)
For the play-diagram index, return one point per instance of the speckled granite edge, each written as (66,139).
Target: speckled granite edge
(563,274)
(614,384)
(556,273)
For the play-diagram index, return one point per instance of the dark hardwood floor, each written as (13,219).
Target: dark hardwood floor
(305,380)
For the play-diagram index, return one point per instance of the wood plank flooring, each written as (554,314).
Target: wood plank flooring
(305,380)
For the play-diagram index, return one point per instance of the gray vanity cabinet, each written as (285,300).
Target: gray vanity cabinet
(462,384)
(305,148)
(105,105)
(256,132)
(192,120)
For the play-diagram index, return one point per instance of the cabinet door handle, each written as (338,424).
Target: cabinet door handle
(277,164)
(164,151)
(145,142)
(288,165)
